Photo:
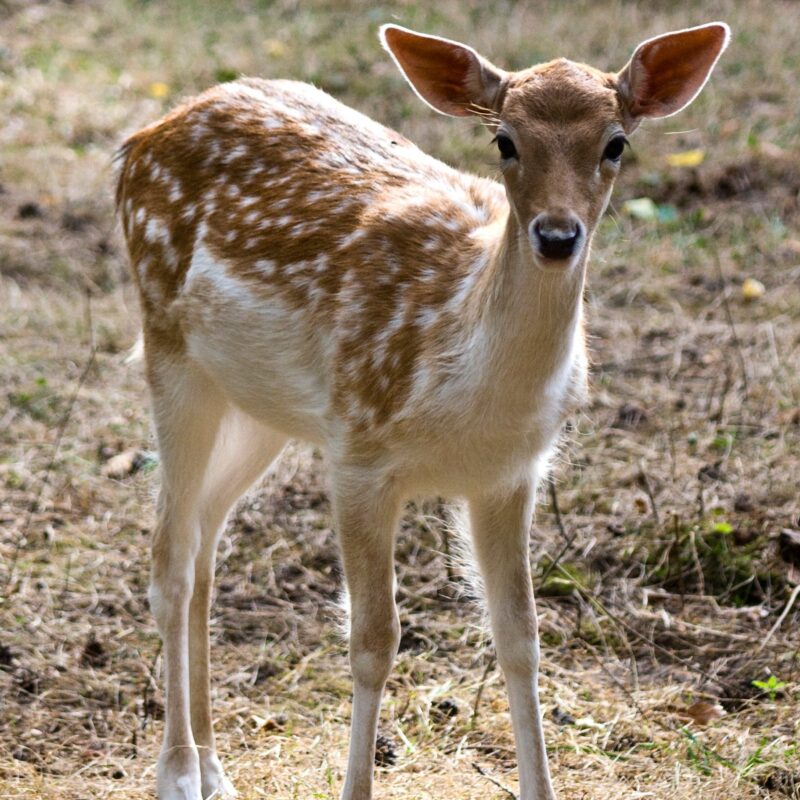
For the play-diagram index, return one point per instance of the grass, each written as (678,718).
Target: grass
(661,575)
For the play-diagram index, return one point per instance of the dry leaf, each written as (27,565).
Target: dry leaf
(274,47)
(752,289)
(703,712)
(641,208)
(159,90)
(688,158)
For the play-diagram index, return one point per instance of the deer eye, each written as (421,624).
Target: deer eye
(505,146)
(614,148)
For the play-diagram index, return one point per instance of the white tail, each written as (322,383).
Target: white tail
(305,272)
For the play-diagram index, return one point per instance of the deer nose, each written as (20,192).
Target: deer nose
(556,237)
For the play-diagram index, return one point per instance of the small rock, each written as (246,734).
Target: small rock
(6,656)
(711,472)
(562,717)
(74,222)
(789,546)
(30,210)
(629,416)
(385,754)
(123,464)
(742,536)
(94,654)
(444,709)
(266,670)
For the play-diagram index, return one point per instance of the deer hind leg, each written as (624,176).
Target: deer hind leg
(187,409)
(244,449)
(500,531)
(366,514)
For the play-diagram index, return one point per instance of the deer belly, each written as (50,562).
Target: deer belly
(265,358)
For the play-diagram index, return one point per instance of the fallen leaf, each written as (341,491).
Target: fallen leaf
(258,722)
(158,89)
(641,208)
(274,47)
(687,158)
(752,289)
(703,712)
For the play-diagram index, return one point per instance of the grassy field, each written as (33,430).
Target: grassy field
(666,564)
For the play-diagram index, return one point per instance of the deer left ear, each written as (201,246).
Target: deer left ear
(666,73)
(450,77)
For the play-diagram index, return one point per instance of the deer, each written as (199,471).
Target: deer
(306,273)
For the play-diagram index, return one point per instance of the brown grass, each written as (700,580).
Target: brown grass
(661,577)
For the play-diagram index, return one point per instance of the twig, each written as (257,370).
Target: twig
(551,488)
(701,578)
(481,771)
(569,540)
(645,483)
(481,686)
(781,618)
(593,601)
(726,305)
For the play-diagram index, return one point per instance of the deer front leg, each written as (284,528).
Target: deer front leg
(366,514)
(500,530)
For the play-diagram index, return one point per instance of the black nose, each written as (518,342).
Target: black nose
(556,239)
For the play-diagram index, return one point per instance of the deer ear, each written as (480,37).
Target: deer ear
(450,77)
(666,73)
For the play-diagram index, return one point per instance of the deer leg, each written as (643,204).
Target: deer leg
(187,410)
(500,530)
(366,518)
(244,449)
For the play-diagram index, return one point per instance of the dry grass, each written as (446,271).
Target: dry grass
(658,584)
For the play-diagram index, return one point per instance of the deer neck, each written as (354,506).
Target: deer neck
(529,317)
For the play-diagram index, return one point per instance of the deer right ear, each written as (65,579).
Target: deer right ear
(666,73)
(450,77)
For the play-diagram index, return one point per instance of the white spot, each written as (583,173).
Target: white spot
(348,240)
(237,152)
(426,317)
(156,232)
(321,263)
(295,267)
(265,266)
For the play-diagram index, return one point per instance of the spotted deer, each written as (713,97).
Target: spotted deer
(306,272)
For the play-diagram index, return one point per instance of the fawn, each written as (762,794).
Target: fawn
(305,272)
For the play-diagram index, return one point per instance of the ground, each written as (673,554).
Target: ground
(666,551)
